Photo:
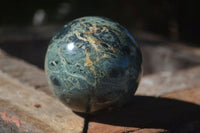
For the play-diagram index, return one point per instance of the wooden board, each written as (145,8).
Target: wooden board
(24,72)
(166,82)
(163,102)
(24,109)
(166,101)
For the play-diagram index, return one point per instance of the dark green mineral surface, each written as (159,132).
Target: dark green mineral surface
(93,62)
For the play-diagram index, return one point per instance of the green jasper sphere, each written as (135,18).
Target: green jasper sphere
(92,63)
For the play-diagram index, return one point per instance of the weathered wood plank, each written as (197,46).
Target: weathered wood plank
(31,110)
(167,82)
(96,127)
(187,95)
(173,85)
(147,113)
(169,57)
(24,72)
(165,101)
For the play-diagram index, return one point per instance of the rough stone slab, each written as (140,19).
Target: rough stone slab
(24,109)
(167,82)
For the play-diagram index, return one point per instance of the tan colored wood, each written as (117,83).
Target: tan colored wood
(165,101)
(24,72)
(96,127)
(156,101)
(167,82)
(33,110)
(187,95)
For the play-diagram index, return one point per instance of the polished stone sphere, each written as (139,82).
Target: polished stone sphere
(93,63)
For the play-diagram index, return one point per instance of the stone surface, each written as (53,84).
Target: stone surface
(93,62)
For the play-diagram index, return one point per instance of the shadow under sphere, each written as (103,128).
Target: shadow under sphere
(150,112)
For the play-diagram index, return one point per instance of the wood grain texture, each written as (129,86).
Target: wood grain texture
(188,95)
(34,111)
(167,101)
(167,82)
(26,73)
(164,102)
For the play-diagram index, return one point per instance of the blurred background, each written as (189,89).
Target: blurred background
(167,30)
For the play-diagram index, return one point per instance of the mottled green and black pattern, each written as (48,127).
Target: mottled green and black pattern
(93,62)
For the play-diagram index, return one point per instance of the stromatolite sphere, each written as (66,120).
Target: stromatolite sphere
(93,62)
